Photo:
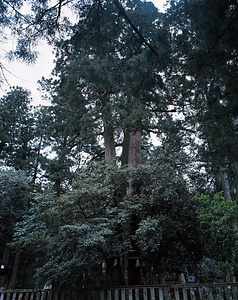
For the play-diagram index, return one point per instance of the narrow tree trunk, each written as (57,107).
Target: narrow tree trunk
(14,271)
(5,261)
(37,161)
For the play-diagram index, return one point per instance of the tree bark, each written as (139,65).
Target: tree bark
(109,144)
(134,160)
(14,271)
(125,148)
(225,183)
(134,149)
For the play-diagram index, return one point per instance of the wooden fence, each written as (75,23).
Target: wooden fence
(162,292)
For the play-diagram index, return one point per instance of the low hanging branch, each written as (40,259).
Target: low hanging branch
(136,30)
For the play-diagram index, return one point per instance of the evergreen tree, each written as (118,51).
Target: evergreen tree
(105,70)
(15,199)
(17,129)
(204,67)
(94,239)
(122,71)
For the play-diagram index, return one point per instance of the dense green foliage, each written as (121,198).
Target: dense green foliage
(217,216)
(218,219)
(107,207)
(206,55)
(92,224)
(17,129)
(15,198)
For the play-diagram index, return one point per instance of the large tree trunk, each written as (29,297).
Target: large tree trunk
(134,159)
(131,152)
(134,149)
(109,144)
(225,183)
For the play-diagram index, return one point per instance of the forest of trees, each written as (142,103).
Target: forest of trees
(130,175)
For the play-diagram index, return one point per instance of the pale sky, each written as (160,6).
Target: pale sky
(26,76)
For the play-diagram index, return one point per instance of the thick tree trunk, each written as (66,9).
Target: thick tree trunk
(134,160)
(225,183)
(109,144)
(134,149)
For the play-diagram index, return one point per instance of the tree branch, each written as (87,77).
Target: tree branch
(136,30)
(16,11)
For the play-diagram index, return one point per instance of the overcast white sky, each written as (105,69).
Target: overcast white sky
(26,76)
